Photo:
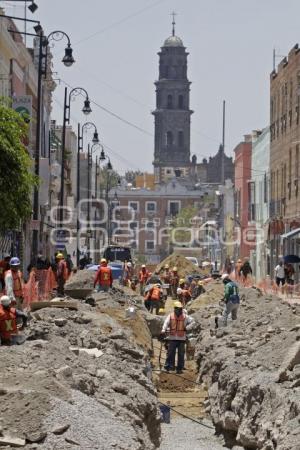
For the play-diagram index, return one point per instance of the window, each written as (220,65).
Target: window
(150,206)
(180,139)
(150,225)
(158,99)
(251,200)
(180,102)
(265,188)
(149,245)
(134,206)
(169,139)
(174,208)
(170,102)
(296,170)
(133,225)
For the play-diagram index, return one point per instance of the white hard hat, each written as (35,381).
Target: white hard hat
(179,290)
(5,300)
(129,264)
(224,276)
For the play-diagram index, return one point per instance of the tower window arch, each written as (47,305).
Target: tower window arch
(180,138)
(169,138)
(180,102)
(170,101)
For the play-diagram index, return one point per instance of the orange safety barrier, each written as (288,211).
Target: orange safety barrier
(39,286)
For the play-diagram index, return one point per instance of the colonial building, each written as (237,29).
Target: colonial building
(284,156)
(210,171)
(172,114)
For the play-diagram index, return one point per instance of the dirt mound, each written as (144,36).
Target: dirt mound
(81,279)
(252,369)
(214,292)
(184,266)
(81,380)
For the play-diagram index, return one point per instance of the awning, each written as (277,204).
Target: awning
(290,234)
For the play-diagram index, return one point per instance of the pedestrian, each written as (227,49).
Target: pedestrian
(227,265)
(70,265)
(4,266)
(174,330)
(153,298)
(290,274)
(61,274)
(8,320)
(14,283)
(128,274)
(103,279)
(279,274)
(245,271)
(231,298)
(144,275)
(237,269)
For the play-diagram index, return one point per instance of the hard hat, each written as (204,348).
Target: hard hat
(179,290)
(178,305)
(5,300)
(166,266)
(59,256)
(103,260)
(239,260)
(175,269)
(129,264)
(200,283)
(143,266)
(158,285)
(182,280)
(224,276)
(14,261)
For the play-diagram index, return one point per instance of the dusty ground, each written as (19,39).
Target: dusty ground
(185,267)
(252,370)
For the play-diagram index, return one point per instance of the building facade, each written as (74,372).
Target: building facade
(284,230)
(243,218)
(172,115)
(259,202)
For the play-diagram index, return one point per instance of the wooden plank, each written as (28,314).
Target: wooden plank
(57,304)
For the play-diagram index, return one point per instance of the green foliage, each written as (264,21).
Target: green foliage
(108,180)
(182,224)
(130,176)
(16,178)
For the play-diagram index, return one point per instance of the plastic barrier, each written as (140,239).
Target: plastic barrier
(39,286)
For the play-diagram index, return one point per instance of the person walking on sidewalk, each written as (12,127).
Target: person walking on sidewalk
(61,274)
(174,330)
(279,274)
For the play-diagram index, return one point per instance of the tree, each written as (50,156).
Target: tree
(182,225)
(108,179)
(17,180)
(130,176)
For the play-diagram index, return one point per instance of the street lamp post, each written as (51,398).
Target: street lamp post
(68,60)
(95,140)
(66,120)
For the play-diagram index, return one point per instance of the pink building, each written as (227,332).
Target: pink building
(243,211)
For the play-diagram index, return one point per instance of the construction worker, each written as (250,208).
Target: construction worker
(182,283)
(4,266)
(231,298)
(61,274)
(128,274)
(237,269)
(166,278)
(103,279)
(183,295)
(143,278)
(8,320)
(174,282)
(174,330)
(153,298)
(14,283)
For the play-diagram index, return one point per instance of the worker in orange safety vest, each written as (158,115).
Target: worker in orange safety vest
(14,283)
(143,278)
(103,279)
(184,295)
(174,330)
(8,320)
(153,298)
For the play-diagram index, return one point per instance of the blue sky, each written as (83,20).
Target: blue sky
(115,46)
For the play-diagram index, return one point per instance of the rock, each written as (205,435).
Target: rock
(12,441)
(154,323)
(37,436)
(292,359)
(295,328)
(95,352)
(103,373)
(120,388)
(64,371)
(60,322)
(90,301)
(71,441)
(3,391)
(60,429)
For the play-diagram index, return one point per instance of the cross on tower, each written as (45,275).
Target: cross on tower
(174,14)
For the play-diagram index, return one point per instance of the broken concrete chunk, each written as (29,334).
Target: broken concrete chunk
(37,436)
(292,359)
(60,429)
(12,441)
(60,322)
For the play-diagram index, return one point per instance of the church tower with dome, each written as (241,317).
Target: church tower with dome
(172,114)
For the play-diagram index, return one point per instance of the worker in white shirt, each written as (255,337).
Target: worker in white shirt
(280,274)
(174,329)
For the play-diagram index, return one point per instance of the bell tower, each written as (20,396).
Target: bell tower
(172,115)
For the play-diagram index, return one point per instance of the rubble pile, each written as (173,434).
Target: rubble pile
(184,266)
(81,380)
(252,371)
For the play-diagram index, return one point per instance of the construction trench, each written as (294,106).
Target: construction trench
(88,375)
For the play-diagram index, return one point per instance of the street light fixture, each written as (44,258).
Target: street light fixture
(33,7)
(68,59)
